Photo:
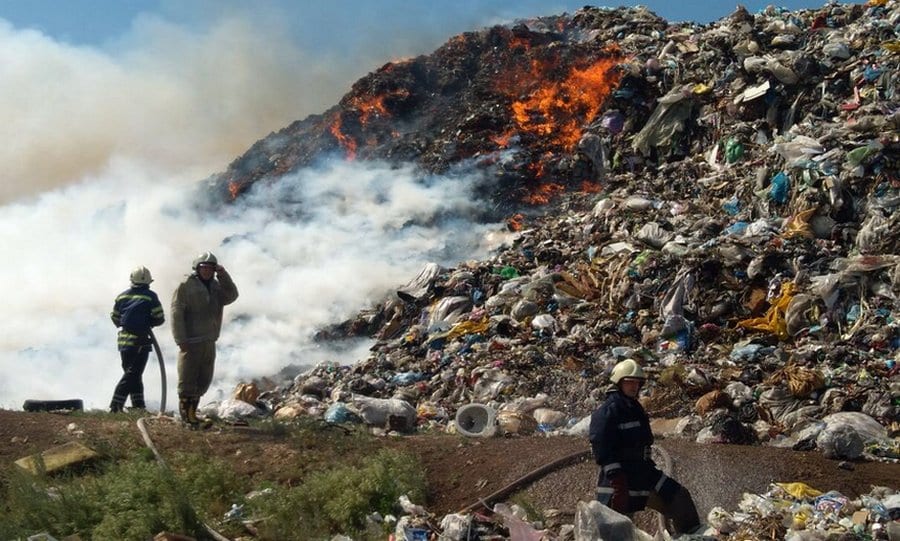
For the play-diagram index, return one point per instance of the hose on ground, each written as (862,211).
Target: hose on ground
(162,464)
(541,471)
(526,479)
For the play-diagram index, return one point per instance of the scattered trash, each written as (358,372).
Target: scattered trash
(739,238)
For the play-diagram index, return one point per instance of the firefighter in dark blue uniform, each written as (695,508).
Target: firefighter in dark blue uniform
(621,440)
(135,312)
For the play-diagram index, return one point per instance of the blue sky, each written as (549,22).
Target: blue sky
(336,23)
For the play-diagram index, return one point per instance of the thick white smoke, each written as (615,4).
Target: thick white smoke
(103,148)
(189,100)
(306,251)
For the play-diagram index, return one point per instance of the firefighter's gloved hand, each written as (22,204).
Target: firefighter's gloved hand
(619,484)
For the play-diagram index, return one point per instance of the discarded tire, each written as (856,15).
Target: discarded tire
(53,405)
(476,421)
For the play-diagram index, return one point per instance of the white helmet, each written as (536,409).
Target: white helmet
(141,276)
(629,368)
(205,257)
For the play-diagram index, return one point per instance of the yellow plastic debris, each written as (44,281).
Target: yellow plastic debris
(468,327)
(798,225)
(800,490)
(773,321)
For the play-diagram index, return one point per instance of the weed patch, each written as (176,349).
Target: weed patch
(338,500)
(128,500)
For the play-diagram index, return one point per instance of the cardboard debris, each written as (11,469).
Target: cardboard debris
(57,458)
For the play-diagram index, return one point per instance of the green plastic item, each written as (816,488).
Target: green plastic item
(859,154)
(508,272)
(734,150)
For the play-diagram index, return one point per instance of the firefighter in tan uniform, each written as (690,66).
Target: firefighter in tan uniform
(197,307)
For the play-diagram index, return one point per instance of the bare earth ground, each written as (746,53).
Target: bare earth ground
(459,470)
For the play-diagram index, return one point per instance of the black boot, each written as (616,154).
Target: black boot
(184,409)
(200,422)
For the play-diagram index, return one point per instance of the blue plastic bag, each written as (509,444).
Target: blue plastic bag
(781,186)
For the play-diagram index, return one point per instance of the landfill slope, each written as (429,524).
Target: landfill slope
(719,202)
(738,237)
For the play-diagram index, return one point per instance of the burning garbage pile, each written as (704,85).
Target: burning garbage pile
(722,205)
(512,101)
(757,277)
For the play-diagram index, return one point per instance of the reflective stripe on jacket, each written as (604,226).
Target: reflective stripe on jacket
(136,310)
(197,309)
(620,434)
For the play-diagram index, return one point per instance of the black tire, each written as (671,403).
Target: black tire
(54,405)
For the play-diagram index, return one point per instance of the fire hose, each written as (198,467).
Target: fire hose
(162,415)
(159,458)
(541,471)
(162,373)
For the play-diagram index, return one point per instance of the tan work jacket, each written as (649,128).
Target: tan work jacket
(197,310)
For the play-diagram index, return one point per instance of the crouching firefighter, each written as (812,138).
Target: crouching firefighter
(621,442)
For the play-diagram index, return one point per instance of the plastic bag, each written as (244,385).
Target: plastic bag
(840,441)
(597,522)
(780,188)
(378,411)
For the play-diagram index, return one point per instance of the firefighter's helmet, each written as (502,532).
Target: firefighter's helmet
(205,258)
(141,276)
(629,368)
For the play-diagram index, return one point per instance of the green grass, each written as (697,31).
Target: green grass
(339,499)
(127,500)
(128,496)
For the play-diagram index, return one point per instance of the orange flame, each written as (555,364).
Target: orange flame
(516,41)
(234,188)
(502,140)
(370,106)
(514,222)
(537,169)
(588,186)
(347,142)
(542,194)
(558,109)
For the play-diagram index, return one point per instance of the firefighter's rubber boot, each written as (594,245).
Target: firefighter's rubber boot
(197,422)
(184,409)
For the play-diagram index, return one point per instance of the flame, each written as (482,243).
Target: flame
(234,189)
(542,194)
(347,142)
(514,222)
(516,42)
(503,139)
(537,169)
(557,109)
(373,106)
(588,186)
(369,106)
